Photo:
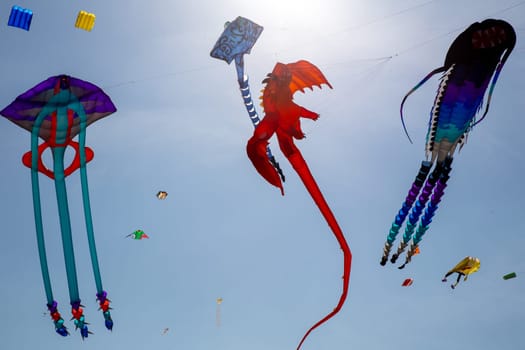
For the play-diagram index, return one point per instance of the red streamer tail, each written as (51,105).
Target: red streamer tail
(300,166)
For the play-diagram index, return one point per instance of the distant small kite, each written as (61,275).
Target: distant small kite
(138,234)
(165,330)
(407,282)
(509,276)
(465,267)
(85,20)
(20,18)
(162,195)
(218,312)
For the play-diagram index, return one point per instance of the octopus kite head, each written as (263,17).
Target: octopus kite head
(483,41)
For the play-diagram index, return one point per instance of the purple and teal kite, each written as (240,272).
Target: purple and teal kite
(473,64)
(57,110)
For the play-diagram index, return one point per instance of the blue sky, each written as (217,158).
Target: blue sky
(223,231)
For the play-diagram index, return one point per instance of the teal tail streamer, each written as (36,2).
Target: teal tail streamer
(62,99)
(101,294)
(52,305)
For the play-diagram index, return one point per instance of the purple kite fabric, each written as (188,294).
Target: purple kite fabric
(24,110)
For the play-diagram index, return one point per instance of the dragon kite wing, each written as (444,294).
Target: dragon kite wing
(303,75)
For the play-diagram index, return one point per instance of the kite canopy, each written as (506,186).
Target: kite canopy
(25,109)
(237,39)
(466,266)
(162,194)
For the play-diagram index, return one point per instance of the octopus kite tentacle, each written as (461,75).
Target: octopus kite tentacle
(418,85)
(405,208)
(417,209)
(430,210)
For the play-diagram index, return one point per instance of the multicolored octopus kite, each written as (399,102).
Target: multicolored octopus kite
(473,63)
(282,117)
(57,110)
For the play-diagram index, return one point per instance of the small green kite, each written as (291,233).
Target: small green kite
(139,234)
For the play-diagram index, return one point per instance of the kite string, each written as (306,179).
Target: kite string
(423,43)
(410,48)
(161,76)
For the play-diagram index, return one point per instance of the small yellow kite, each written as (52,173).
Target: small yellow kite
(464,268)
(85,20)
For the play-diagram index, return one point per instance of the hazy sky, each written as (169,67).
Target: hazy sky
(223,231)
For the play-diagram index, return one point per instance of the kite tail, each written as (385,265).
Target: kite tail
(430,210)
(403,212)
(57,319)
(413,218)
(52,305)
(254,117)
(37,208)
(67,240)
(103,303)
(304,173)
(101,294)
